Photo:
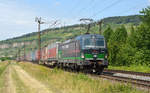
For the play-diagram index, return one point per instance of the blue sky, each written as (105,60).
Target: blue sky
(17,17)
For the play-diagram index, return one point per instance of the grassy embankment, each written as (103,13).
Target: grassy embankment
(136,68)
(65,82)
(3,66)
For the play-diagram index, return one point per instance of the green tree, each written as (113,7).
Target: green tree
(116,47)
(142,40)
(143,37)
(131,40)
(120,35)
(146,16)
(107,33)
(112,52)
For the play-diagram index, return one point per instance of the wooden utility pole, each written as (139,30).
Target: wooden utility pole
(88,30)
(100,27)
(39,39)
(38,20)
(19,55)
(24,51)
(80,28)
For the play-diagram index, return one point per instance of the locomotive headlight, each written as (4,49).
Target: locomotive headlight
(105,56)
(95,55)
(82,55)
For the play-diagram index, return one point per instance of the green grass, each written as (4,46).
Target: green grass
(60,81)
(120,89)
(136,68)
(3,66)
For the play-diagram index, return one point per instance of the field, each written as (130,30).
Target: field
(32,78)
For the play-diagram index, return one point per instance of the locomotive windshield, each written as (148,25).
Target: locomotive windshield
(93,42)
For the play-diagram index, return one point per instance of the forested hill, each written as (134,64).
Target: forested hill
(133,19)
(11,46)
(118,20)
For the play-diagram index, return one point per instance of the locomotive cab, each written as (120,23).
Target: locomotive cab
(93,50)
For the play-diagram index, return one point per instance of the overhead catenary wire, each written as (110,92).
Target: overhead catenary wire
(111,4)
(105,8)
(90,3)
(74,7)
(131,8)
(72,10)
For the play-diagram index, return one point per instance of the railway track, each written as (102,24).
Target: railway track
(140,83)
(137,78)
(127,72)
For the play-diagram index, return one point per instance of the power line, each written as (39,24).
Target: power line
(74,8)
(92,5)
(131,8)
(91,2)
(77,4)
(84,8)
(109,6)
(114,3)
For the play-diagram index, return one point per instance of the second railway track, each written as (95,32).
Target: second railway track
(138,78)
(128,72)
(140,83)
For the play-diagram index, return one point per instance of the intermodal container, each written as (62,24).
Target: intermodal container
(32,56)
(53,50)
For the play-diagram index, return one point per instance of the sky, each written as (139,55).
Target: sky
(17,17)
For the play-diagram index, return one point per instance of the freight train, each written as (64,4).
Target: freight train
(85,52)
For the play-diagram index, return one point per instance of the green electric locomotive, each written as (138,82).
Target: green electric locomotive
(86,52)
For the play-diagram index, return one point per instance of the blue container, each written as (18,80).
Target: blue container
(33,56)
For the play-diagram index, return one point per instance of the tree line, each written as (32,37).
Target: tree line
(131,47)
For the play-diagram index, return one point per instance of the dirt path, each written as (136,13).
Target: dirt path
(34,85)
(9,86)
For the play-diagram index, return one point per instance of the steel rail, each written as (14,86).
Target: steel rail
(128,72)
